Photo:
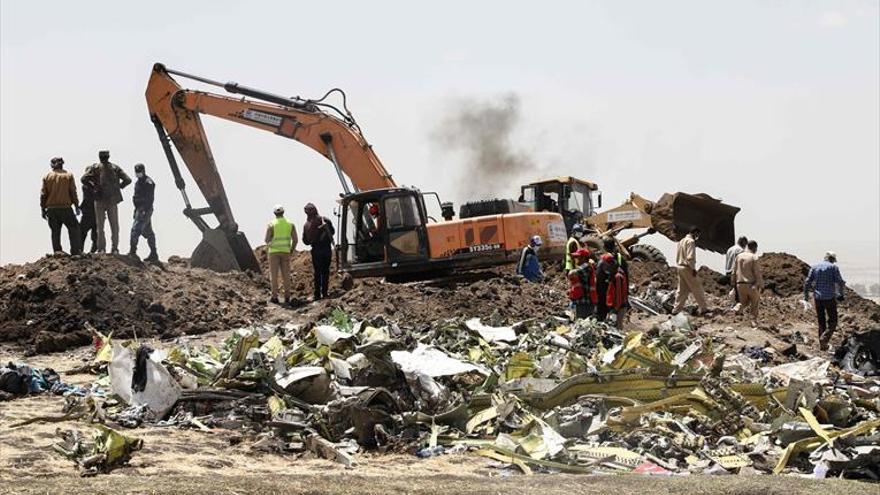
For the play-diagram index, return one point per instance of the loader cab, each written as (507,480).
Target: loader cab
(572,198)
(383,229)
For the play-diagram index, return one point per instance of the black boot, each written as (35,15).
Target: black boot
(132,251)
(153,257)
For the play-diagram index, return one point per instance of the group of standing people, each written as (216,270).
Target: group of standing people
(601,288)
(597,288)
(102,185)
(823,286)
(742,271)
(281,239)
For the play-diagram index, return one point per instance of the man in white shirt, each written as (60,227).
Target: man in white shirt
(732,253)
(730,261)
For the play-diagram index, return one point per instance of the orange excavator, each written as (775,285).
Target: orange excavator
(385,228)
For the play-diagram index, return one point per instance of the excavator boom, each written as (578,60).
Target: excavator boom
(176,114)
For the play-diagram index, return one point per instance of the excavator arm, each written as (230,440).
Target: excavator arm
(175,112)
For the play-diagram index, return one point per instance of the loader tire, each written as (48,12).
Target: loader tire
(646,252)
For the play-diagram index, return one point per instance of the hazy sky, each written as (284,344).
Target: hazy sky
(773,106)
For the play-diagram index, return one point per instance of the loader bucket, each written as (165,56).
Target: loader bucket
(675,214)
(223,252)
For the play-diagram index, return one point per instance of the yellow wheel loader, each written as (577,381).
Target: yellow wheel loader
(673,216)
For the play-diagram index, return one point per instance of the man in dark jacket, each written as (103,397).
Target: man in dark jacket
(107,181)
(56,198)
(87,226)
(144,192)
(318,233)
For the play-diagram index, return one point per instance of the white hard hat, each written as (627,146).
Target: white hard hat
(278,209)
(536,240)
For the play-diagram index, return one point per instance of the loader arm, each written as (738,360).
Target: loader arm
(673,215)
(175,111)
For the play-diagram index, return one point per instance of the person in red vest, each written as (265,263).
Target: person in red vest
(582,284)
(612,283)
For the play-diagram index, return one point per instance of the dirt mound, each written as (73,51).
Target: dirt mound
(784,273)
(45,304)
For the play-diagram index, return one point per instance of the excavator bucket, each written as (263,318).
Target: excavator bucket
(224,252)
(674,215)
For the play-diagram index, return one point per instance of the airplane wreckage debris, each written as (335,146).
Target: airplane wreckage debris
(542,395)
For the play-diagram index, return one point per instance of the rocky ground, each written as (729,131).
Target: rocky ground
(45,305)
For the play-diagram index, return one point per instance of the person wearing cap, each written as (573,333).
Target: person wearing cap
(748,279)
(582,285)
(571,247)
(56,198)
(318,233)
(280,240)
(144,192)
(827,286)
(528,266)
(107,181)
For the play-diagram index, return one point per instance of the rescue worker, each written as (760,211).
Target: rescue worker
(56,197)
(281,240)
(87,220)
(107,181)
(144,192)
(582,285)
(686,265)
(318,233)
(749,280)
(528,266)
(827,286)
(571,247)
(612,283)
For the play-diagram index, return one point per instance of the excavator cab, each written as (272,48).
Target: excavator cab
(384,232)
(570,197)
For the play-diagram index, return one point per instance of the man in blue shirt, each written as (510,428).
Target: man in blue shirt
(827,286)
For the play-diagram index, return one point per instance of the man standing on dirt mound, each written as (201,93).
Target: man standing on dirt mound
(144,192)
(280,240)
(827,285)
(56,198)
(686,265)
(87,227)
(318,232)
(107,181)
